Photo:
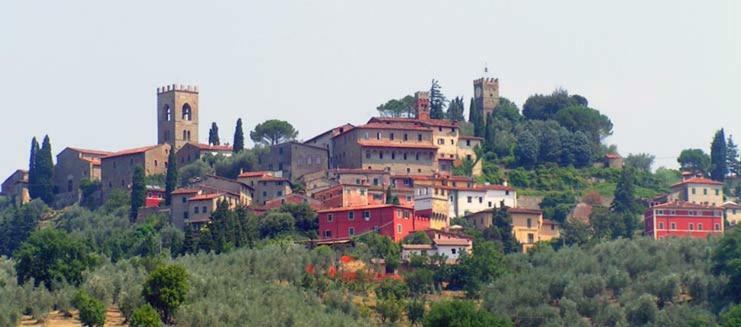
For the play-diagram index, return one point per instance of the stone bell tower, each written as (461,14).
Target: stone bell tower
(422,105)
(486,94)
(177,115)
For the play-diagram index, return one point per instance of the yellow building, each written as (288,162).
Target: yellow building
(528,225)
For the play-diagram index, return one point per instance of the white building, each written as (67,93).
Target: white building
(449,245)
(465,200)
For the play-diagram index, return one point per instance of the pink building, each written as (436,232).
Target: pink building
(393,221)
(683,219)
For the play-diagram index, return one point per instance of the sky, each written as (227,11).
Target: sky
(668,73)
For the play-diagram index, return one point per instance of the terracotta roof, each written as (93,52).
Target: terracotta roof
(208,147)
(416,246)
(547,221)
(273,179)
(348,125)
(613,156)
(131,151)
(359,171)
(424,122)
(88,151)
(443,241)
(185,191)
(254,174)
(480,188)
(371,206)
(683,205)
(375,125)
(203,197)
(469,137)
(389,144)
(94,161)
(525,211)
(698,180)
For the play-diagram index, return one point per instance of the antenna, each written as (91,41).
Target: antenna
(486,70)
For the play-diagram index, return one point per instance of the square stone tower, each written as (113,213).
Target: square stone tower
(486,94)
(177,115)
(422,105)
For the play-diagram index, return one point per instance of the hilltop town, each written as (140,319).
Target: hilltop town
(419,193)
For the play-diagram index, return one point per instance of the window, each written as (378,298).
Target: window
(185,215)
(264,194)
(405,156)
(692,226)
(195,210)
(378,135)
(717,226)
(366,135)
(351,231)
(529,223)
(452,142)
(468,142)
(167,113)
(661,225)
(330,217)
(693,190)
(406,137)
(375,181)
(69,186)
(673,226)
(187,112)
(391,136)
(416,155)
(481,200)
(470,199)
(419,137)
(661,213)
(399,228)
(393,155)
(489,204)
(204,209)
(351,215)
(530,238)
(184,199)
(704,191)
(367,155)
(553,227)
(699,226)
(380,154)
(440,141)
(328,234)
(717,192)
(452,251)
(279,193)
(366,214)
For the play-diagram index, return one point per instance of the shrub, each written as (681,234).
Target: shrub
(461,313)
(145,316)
(92,311)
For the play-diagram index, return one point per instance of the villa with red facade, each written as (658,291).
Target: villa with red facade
(393,221)
(683,219)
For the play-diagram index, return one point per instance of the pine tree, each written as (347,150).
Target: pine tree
(718,157)
(213,135)
(33,186)
(437,101)
(171,180)
(238,144)
(732,157)
(455,109)
(45,172)
(138,192)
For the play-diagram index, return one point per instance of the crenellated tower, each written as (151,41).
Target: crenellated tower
(486,94)
(422,105)
(177,114)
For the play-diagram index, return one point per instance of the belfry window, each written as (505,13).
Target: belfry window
(187,112)
(167,112)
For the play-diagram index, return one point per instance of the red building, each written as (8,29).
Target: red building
(393,221)
(683,219)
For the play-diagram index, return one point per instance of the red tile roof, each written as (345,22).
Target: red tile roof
(547,221)
(375,125)
(525,211)
(389,144)
(208,147)
(423,122)
(204,197)
(185,191)
(684,205)
(480,188)
(254,174)
(93,152)
(359,171)
(370,206)
(131,151)
(698,180)
(452,242)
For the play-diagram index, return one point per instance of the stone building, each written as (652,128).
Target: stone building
(486,94)
(73,166)
(177,115)
(117,169)
(324,140)
(396,148)
(15,187)
(296,159)
(191,152)
(266,185)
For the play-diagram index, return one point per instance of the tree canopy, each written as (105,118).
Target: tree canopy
(403,107)
(50,256)
(694,160)
(273,131)
(238,144)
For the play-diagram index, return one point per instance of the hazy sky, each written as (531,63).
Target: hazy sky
(668,73)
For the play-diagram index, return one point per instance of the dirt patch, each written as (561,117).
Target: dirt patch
(114,318)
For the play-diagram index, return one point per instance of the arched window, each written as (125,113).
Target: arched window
(167,113)
(187,113)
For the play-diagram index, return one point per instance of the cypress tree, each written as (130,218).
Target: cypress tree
(238,144)
(732,157)
(489,134)
(45,172)
(171,180)
(138,192)
(213,135)
(624,204)
(718,157)
(33,185)
(479,125)
(437,101)
(472,112)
